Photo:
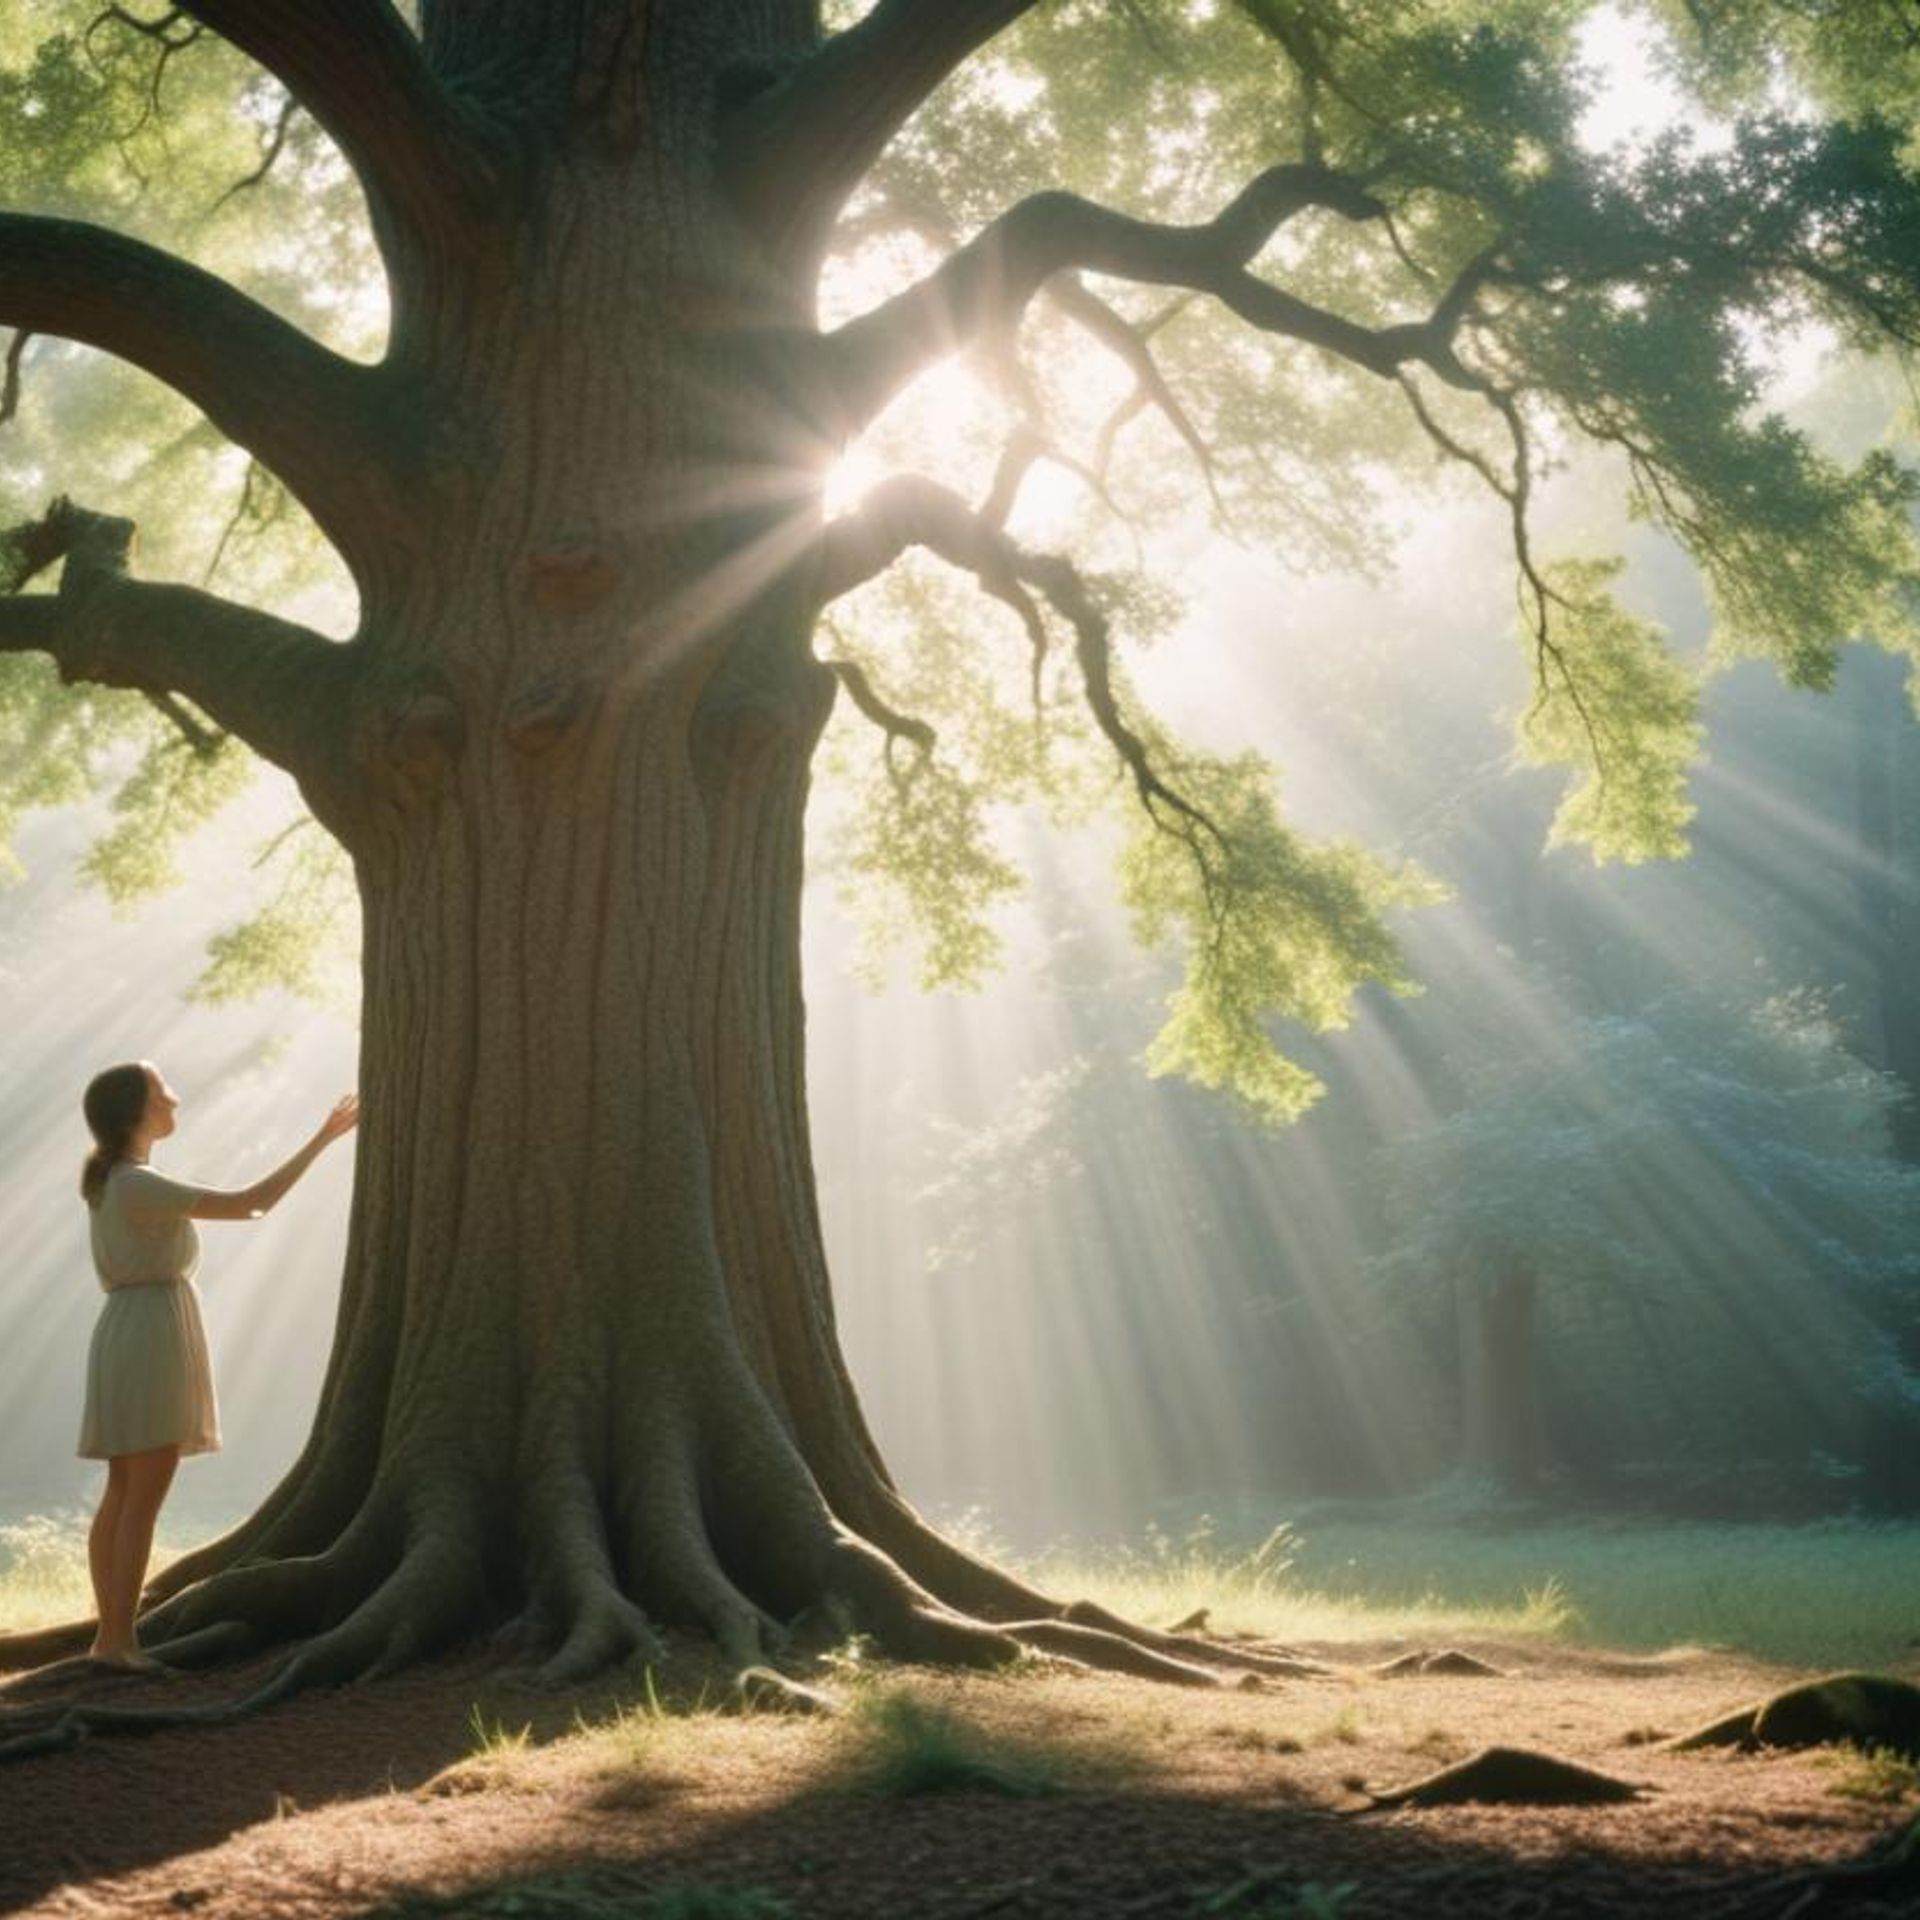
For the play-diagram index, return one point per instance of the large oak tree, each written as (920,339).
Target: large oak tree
(650,267)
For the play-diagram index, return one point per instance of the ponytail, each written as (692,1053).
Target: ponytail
(114,1103)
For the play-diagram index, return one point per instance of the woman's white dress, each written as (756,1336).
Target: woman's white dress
(149,1377)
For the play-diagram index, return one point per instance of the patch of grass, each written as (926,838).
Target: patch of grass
(1255,1740)
(494,1739)
(899,1745)
(1879,1776)
(628,1755)
(1310,1901)
(642,1750)
(695,1902)
(43,1569)
(1256,1589)
(1342,1730)
(592,1893)
(490,1762)
(1257,1898)
(1824,1594)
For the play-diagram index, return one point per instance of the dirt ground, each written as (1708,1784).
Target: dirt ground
(372,1800)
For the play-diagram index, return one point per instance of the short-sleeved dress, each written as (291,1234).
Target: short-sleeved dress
(149,1377)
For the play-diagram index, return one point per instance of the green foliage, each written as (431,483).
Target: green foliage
(1619,709)
(1634,297)
(94,125)
(1629,302)
(1706,1199)
(176,787)
(301,938)
(1275,927)
(917,864)
(49,739)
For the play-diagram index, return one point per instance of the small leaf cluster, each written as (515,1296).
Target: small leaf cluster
(1275,926)
(1619,709)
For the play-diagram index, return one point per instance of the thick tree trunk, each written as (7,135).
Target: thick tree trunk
(585,1374)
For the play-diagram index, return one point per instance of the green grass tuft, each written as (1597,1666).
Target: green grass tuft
(1879,1776)
(902,1745)
(695,1902)
(590,1893)
(494,1739)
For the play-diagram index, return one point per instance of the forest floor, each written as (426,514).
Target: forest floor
(1039,1793)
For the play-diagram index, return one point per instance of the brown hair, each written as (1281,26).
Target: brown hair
(114,1103)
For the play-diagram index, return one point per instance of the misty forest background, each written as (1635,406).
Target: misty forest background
(1621,1215)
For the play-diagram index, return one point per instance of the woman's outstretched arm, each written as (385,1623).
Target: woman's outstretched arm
(249,1203)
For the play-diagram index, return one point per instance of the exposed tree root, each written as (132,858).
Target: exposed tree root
(418,1605)
(1450,1660)
(1510,1776)
(580,1582)
(1869,1708)
(372,1603)
(976,1587)
(1117,1653)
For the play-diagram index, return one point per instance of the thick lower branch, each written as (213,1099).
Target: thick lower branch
(280,687)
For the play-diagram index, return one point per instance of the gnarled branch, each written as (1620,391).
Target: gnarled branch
(989,282)
(894,724)
(910,510)
(280,687)
(358,68)
(308,413)
(270,151)
(792,154)
(1133,346)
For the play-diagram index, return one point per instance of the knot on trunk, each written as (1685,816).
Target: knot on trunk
(571,579)
(426,729)
(540,713)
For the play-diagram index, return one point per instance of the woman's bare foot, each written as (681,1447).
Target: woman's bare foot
(124,1660)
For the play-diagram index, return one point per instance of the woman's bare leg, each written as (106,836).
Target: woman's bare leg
(147,1477)
(106,1523)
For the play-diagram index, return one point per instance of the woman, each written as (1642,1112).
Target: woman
(149,1382)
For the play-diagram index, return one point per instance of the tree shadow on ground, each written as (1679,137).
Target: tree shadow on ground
(1098,1847)
(1154,1856)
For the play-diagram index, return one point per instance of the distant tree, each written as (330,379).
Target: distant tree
(1677,1254)
(645,271)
